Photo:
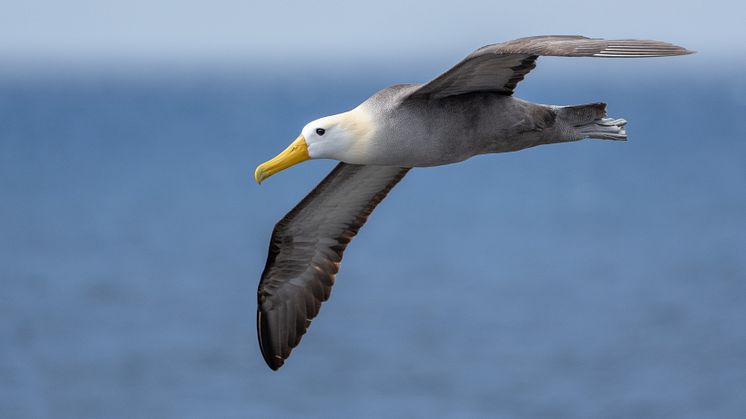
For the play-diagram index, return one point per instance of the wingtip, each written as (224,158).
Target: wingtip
(273,366)
(272,362)
(683,51)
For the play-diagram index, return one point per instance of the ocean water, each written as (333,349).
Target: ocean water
(585,280)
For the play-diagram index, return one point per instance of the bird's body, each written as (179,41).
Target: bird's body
(466,111)
(423,132)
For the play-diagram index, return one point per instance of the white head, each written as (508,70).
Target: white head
(340,137)
(337,137)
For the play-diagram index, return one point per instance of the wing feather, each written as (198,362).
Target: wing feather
(305,251)
(500,67)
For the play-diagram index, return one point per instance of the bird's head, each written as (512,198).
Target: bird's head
(340,137)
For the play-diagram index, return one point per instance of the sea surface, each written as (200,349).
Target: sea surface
(594,279)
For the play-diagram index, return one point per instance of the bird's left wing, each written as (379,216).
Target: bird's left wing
(499,67)
(306,249)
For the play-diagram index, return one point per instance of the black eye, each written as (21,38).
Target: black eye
(320,131)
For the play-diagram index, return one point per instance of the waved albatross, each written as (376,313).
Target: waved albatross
(468,110)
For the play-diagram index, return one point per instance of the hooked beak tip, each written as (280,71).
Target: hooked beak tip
(259,175)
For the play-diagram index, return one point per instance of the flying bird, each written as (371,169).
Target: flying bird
(466,111)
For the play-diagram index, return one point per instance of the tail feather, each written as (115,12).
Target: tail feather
(604,129)
(590,121)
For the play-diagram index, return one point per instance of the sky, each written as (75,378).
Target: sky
(323,34)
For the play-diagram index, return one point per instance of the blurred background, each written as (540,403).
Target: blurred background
(584,280)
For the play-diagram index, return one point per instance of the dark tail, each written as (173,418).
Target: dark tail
(590,121)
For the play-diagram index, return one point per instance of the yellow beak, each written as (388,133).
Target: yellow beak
(294,154)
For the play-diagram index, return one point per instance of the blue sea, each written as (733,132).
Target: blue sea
(594,279)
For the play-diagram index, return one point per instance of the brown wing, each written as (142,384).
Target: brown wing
(499,67)
(306,249)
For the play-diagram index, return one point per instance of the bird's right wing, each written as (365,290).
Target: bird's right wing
(499,67)
(306,249)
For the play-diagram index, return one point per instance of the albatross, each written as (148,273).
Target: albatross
(466,111)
